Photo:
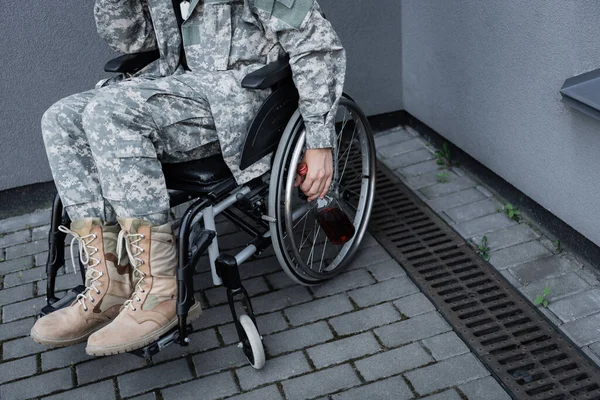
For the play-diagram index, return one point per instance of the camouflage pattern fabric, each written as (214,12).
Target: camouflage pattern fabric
(105,145)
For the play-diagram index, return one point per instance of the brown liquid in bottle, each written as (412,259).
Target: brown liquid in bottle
(334,222)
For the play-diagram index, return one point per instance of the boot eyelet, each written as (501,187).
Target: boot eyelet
(85,309)
(97,292)
(92,299)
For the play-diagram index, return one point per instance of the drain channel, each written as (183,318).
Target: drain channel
(521,348)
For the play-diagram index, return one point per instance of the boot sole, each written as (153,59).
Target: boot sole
(65,342)
(152,337)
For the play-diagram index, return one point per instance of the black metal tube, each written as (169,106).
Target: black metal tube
(56,249)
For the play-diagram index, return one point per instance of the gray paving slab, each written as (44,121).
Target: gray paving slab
(281,299)
(415,304)
(416,328)
(280,280)
(510,236)
(445,374)
(445,346)
(474,210)
(297,338)
(547,267)
(199,341)
(370,256)
(395,149)
(483,225)
(560,287)
(390,388)
(393,362)
(153,377)
(101,368)
(14,238)
(20,348)
(445,395)
(322,382)
(22,309)
(583,331)
(430,178)
(392,137)
(37,386)
(37,218)
(220,359)
(485,388)
(277,369)
(16,294)
(64,356)
(97,391)
(576,306)
(446,188)
(409,158)
(343,350)
(20,368)
(13,330)
(418,169)
(210,387)
(266,393)
(267,324)
(456,199)
(16,265)
(318,309)
(343,283)
(383,291)
(518,254)
(368,318)
(385,270)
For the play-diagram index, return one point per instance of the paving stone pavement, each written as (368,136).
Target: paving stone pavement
(367,334)
(358,336)
(529,258)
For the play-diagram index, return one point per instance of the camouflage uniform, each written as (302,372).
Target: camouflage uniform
(105,145)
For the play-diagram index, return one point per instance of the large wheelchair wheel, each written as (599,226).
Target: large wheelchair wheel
(301,246)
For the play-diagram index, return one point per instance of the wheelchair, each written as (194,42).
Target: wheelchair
(270,208)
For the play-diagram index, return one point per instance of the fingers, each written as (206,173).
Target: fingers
(326,187)
(298,181)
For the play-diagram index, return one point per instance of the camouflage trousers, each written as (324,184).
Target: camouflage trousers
(105,146)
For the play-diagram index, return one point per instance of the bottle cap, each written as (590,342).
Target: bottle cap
(302,169)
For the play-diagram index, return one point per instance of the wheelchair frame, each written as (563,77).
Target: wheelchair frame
(211,200)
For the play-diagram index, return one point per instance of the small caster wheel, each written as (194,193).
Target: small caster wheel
(252,343)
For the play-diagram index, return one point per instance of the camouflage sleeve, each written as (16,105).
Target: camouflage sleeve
(125,24)
(318,63)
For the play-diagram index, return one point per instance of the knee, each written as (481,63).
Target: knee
(60,119)
(105,111)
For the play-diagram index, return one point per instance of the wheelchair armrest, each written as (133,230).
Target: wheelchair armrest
(130,63)
(269,75)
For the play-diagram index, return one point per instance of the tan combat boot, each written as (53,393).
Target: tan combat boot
(108,286)
(150,312)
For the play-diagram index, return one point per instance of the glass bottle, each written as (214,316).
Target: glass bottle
(334,222)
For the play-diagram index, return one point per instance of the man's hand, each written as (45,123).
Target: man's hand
(320,173)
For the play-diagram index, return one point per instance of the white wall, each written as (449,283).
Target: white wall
(486,75)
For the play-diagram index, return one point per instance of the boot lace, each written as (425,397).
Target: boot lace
(86,252)
(133,249)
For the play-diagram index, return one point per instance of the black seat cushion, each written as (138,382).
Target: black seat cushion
(199,175)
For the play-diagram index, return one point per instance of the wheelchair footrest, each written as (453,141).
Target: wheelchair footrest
(65,301)
(154,348)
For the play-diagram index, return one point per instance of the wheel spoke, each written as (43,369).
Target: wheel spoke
(323,256)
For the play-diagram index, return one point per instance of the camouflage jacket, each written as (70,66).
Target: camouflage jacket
(225,35)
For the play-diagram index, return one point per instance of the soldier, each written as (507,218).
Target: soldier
(105,146)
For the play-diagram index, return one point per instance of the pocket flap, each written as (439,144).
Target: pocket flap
(135,146)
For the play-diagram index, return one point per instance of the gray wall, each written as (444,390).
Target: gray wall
(486,75)
(51,50)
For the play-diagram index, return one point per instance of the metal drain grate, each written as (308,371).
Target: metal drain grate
(517,343)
